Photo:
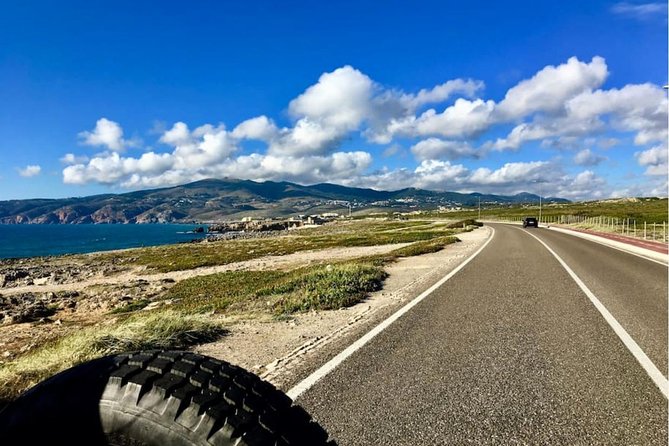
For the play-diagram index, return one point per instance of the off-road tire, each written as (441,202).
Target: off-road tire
(157,398)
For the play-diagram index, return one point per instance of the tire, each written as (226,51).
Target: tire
(162,398)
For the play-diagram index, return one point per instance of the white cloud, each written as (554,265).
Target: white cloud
(655,160)
(560,107)
(71,158)
(177,135)
(463,118)
(440,93)
(635,108)
(260,128)
(548,90)
(641,11)
(541,177)
(587,157)
(510,173)
(107,134)
(585,184)
(339,99)
(434,148)
(30,171)
(325,113)
(308,137)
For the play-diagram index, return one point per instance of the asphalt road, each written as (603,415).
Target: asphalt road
(511,351)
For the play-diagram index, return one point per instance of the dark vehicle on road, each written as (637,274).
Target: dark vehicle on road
(530,221)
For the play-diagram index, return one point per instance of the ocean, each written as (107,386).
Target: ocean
(48,240)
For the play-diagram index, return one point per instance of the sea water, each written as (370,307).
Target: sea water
(46,240)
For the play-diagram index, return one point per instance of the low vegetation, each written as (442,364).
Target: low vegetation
(323,287)
(351,234)
(194,302)
(166,329)
(651,210)
(424,247)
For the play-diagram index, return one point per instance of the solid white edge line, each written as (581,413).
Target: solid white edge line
(326,368)
(643,359)
(599,242)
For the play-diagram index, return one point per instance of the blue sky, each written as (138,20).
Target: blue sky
(558,98)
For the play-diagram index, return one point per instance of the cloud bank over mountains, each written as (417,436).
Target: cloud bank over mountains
(449,129)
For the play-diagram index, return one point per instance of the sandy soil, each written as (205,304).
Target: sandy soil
(288,261)
(277,350)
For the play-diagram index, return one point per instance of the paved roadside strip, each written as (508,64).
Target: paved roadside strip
(633,249)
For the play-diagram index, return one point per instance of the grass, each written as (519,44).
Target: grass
(323,287)
(280,293)
(351,234)
(133,306)
(424,247)
(167,329)
(651,210)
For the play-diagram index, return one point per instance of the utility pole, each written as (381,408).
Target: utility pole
(479,208)
(539,207)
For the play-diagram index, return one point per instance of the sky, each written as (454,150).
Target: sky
(561,99)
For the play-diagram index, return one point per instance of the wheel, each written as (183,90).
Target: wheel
(157,398)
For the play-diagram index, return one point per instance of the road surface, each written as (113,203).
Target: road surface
(510,350)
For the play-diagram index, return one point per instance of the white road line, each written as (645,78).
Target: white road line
(593,239)
(329,366)
(650,368)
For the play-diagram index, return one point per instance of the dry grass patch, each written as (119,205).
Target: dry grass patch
(167,329)
(348,234)
(323,287)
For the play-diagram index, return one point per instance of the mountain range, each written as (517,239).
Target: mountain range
(228,199)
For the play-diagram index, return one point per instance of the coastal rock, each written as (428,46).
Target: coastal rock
(11,276)
(25,308)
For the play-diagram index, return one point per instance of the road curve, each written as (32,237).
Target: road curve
(509,351)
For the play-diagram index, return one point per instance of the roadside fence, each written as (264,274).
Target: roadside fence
(624,226)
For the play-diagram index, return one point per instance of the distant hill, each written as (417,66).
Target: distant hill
(215,200)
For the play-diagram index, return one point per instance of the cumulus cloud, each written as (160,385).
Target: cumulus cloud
(108,134)
(587,157)
(655,160)
(641,109)
(635,108)
(585,184)
(261,128)
(561,107)
(541,177)
(441,93)
(551,87)
(207,151)
(434,148)
(30,171)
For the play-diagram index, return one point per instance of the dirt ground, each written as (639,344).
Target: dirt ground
(274,349)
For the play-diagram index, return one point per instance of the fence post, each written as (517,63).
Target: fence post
(644,230)
(664,231)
